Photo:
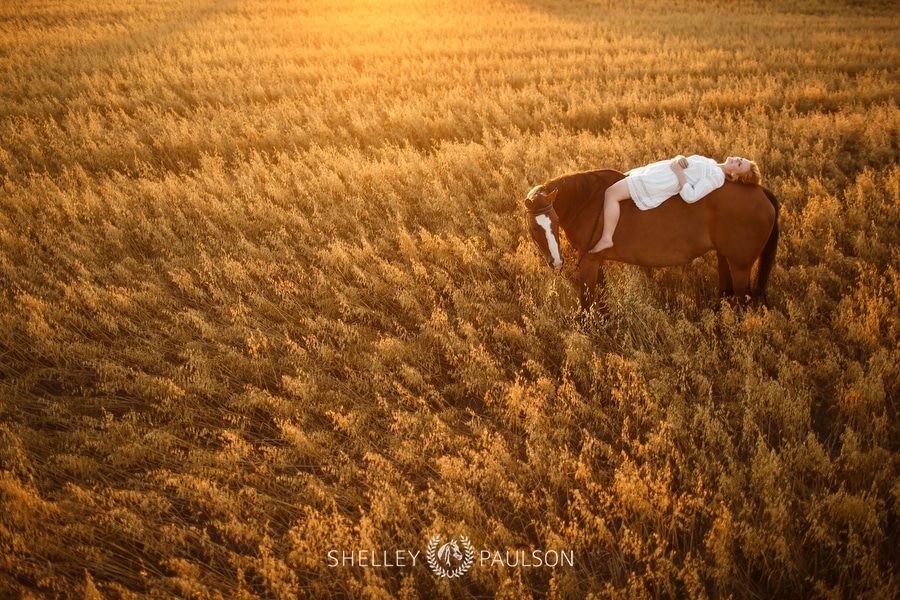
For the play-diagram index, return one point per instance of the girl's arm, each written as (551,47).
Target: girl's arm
(679,164)
(691,192)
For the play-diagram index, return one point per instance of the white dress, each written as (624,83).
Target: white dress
(653,184)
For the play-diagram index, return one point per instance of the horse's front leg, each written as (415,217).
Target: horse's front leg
(589,275)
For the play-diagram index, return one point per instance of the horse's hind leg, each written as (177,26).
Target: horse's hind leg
(726,285)
(740,277)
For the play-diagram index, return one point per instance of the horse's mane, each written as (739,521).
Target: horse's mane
(573,176)
(579,186)
(576,179)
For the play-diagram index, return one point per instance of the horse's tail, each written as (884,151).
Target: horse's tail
(767,258)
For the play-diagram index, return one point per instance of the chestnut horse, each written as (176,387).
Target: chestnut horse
(739,221)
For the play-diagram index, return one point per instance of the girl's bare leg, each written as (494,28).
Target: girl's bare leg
(611,210)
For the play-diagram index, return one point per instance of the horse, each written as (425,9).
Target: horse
(738,220)
(448,549)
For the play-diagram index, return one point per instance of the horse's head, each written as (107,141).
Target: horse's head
(449,549)
(543,223)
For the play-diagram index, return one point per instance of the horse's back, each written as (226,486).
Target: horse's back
(734,219)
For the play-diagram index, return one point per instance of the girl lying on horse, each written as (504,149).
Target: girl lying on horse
(721,208)
(649,186)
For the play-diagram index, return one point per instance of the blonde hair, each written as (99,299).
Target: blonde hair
(751,176)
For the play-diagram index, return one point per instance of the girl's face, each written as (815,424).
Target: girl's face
(736,165)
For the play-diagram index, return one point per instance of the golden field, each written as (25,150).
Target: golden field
(267,294)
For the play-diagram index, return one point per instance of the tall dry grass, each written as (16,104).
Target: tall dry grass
(266,292)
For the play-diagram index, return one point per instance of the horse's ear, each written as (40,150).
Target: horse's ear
(552,196)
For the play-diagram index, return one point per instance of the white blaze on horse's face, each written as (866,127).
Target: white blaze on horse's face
(544,222)
(544,225)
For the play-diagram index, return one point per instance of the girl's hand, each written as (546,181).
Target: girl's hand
(678,165)
(680,161)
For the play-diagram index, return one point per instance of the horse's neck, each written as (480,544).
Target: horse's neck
(579,209)
(579,206)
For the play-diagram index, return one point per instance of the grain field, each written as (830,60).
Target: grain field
(271,325)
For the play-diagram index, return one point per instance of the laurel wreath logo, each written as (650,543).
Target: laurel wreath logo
(441,556)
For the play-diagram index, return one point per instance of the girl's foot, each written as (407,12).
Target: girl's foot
(603,244)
